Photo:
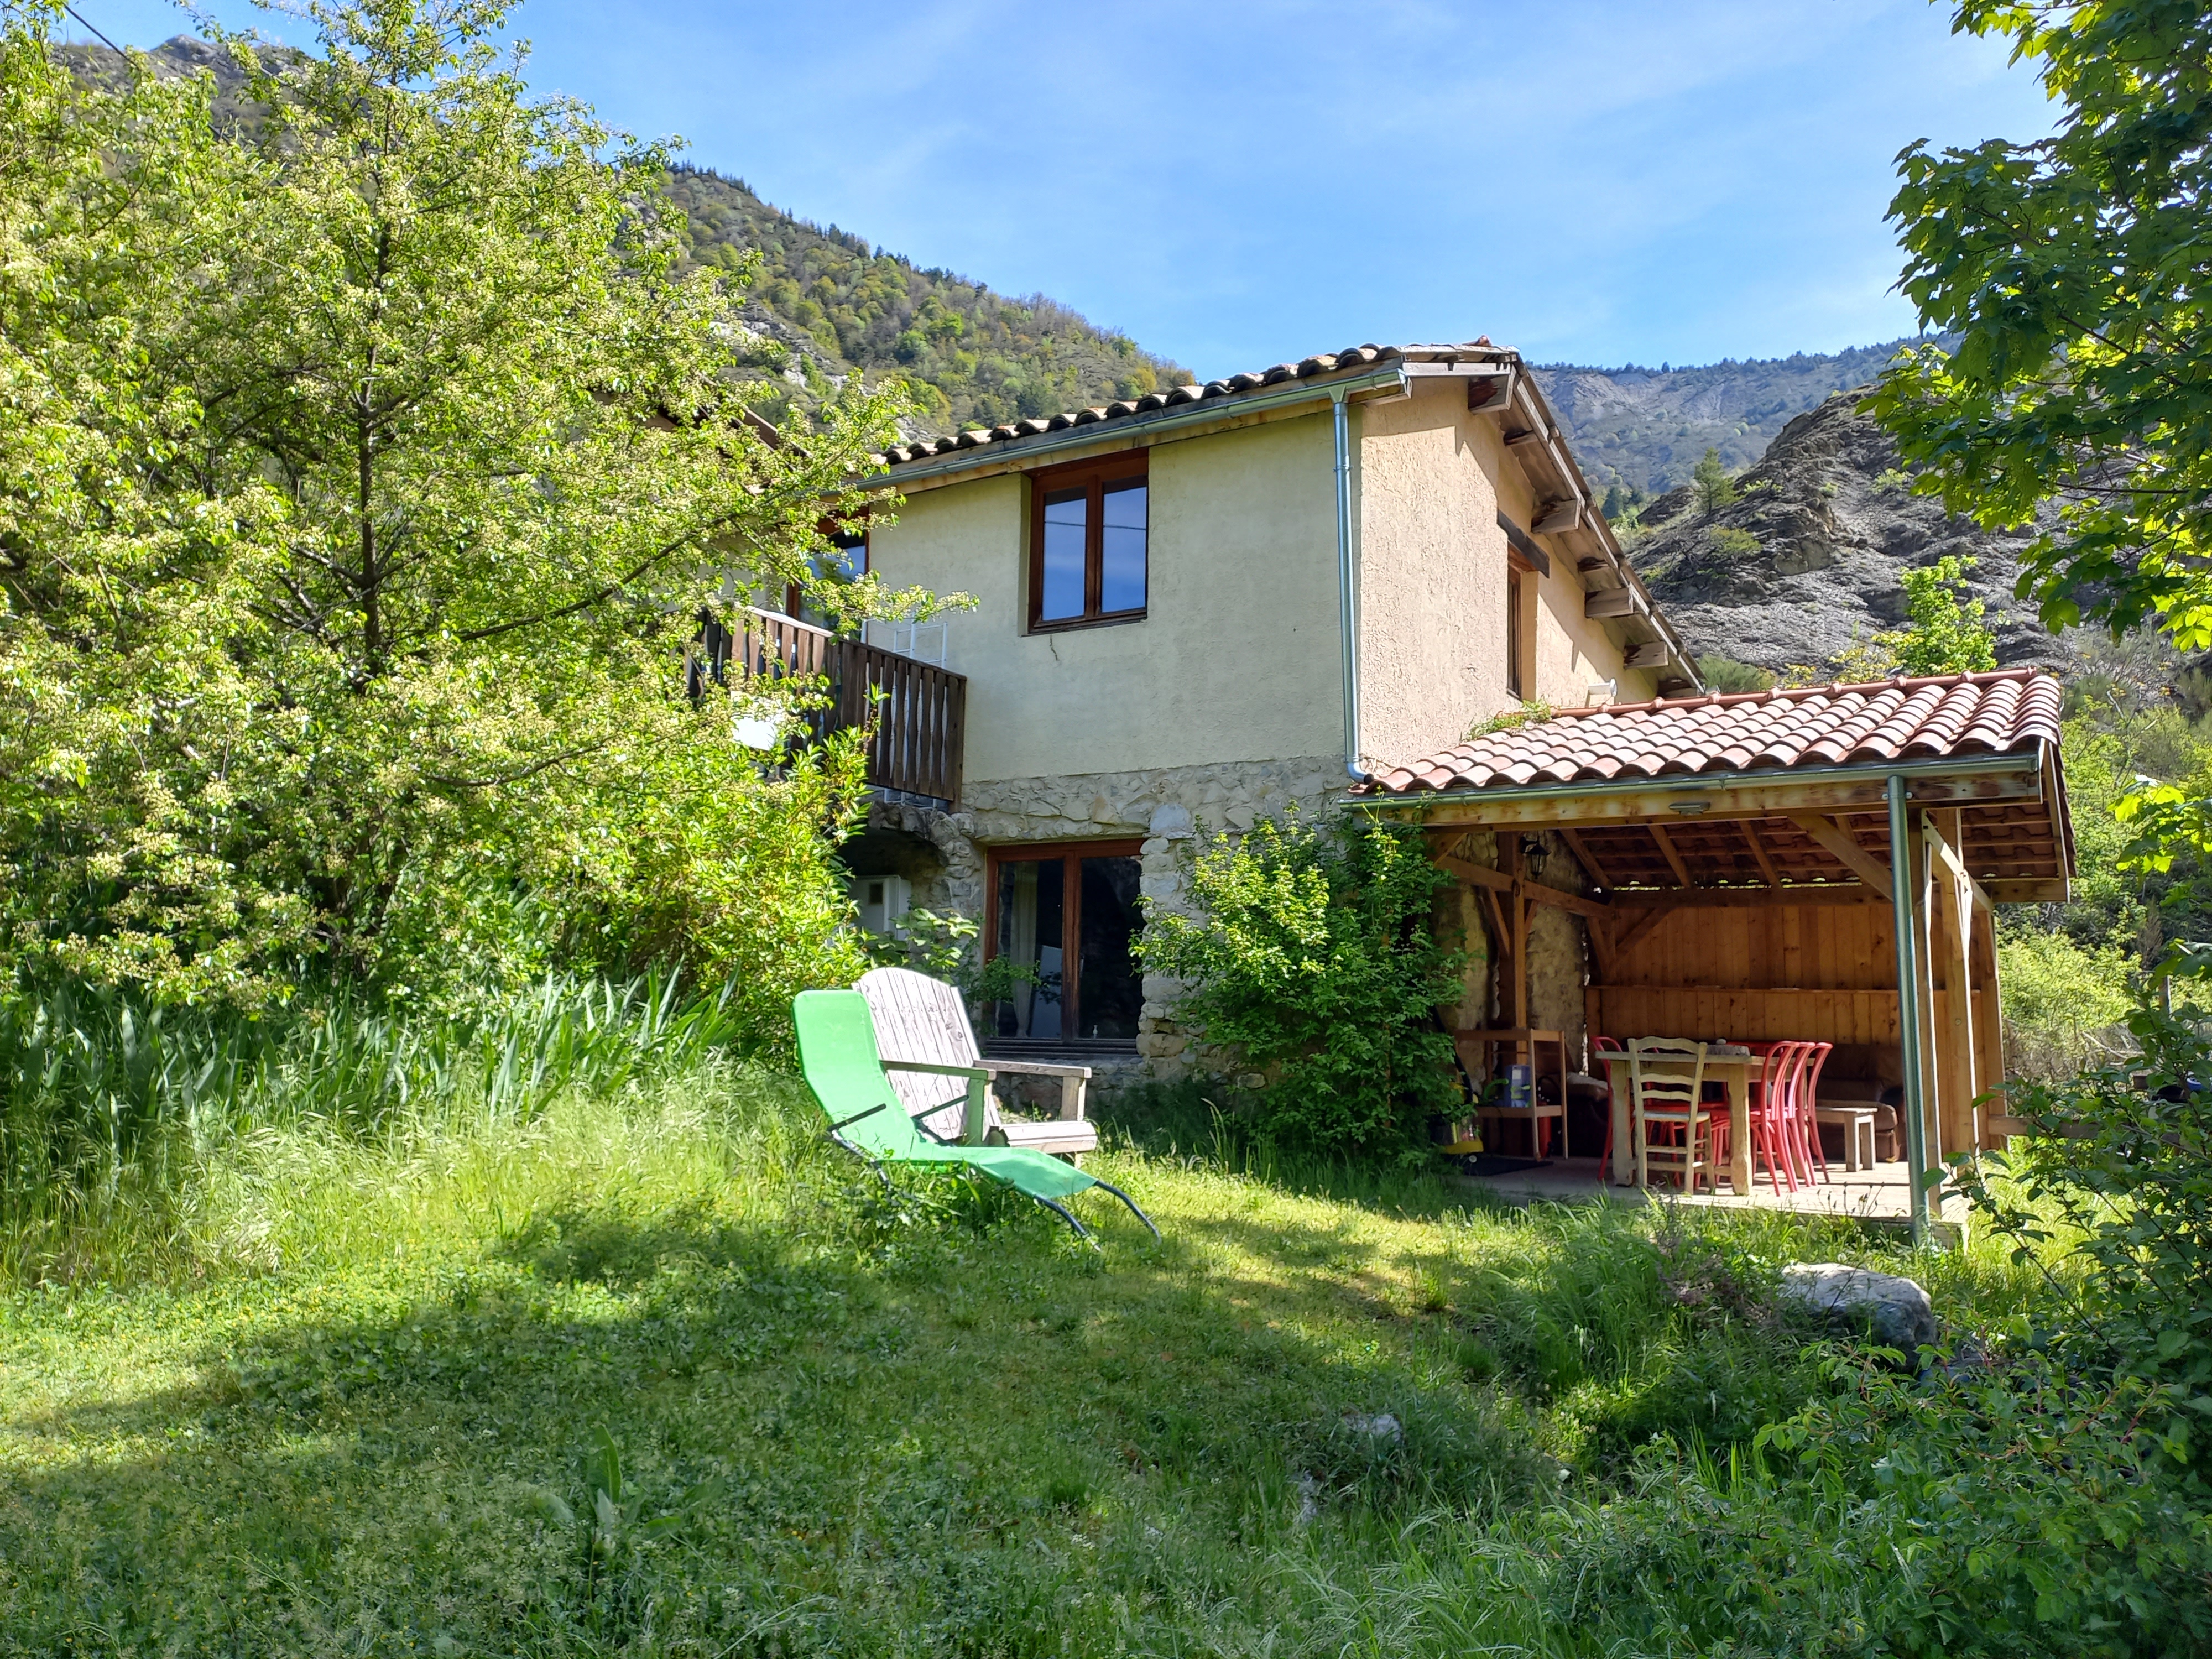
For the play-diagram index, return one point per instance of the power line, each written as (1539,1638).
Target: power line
(96,33)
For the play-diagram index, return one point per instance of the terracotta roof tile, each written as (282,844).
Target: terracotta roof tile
(1950,715)
(1351,357)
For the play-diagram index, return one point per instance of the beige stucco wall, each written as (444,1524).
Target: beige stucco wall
(1236,658)
(1433,478)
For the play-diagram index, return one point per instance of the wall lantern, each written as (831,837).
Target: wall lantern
(1534,855)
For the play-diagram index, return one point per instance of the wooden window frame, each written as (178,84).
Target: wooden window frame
(1070,854)
(1518,576)
(794,597)
(1094,475)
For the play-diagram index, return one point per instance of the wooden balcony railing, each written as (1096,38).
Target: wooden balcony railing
(920,716)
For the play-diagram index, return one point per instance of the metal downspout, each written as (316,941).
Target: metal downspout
(1347,595)
(1908,1010)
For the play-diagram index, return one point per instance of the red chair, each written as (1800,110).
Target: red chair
(1773,1113)
(1806,1100)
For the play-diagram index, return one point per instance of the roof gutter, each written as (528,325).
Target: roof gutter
(1010,453)
(2029,760)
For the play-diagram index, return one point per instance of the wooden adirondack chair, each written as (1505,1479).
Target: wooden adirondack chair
(920,1021)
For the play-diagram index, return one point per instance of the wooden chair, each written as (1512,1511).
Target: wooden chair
(1665,1088)
(922,1030)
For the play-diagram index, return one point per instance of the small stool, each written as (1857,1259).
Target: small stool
(1858,1125)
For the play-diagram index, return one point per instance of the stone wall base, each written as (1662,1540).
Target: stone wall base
(943,854)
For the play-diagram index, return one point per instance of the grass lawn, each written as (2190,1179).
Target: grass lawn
(360,1401)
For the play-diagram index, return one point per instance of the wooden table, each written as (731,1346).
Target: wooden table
(1730,1065)
(1473,1040)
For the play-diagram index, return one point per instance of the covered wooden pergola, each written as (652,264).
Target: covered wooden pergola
(1775,866)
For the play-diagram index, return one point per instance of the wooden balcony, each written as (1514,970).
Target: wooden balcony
(917,710)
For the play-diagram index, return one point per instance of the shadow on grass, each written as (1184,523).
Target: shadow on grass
(928,1407)
(914,1416)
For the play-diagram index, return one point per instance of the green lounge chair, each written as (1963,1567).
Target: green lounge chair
(837,1053)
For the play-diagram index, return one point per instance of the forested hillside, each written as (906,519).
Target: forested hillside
(1643,429)
(973,357)
(970,355)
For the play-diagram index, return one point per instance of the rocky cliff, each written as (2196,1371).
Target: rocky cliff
(1808,555)
(1643,429)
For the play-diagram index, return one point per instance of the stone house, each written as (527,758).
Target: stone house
(1206,606)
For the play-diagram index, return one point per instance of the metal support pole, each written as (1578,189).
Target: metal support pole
(1908,1011)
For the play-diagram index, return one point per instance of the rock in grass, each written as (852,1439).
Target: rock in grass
(1895,1311)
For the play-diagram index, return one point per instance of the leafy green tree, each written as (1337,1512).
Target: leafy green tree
(1709,483)
(1311,956)
(446,453)
(1944,633)
(2071,270)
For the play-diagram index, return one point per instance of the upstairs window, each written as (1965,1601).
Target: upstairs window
(1525,564)
(847,561)
(1516,669)
(1087,545)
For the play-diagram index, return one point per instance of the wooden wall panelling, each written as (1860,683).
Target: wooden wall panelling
(1826,947)
(1756,1016)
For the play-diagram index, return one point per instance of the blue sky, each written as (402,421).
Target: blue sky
(1235,182)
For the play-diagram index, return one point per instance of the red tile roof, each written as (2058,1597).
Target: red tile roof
(1351,357)
(1950,714)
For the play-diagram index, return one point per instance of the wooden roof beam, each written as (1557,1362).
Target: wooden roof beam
(1949,855)
(1750,828)
(1493,881)
(1604,603)
(1674,859)
(1587,858)
(1767,794)
(1844,845)
(1635,900)
(1632,935)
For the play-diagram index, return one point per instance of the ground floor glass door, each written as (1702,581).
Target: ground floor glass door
(1067,913)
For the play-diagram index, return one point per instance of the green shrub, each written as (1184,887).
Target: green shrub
(2117,1178)
(2065,1007)
(1725,674)
(1311,957)
(2050,1494)
(1945,633)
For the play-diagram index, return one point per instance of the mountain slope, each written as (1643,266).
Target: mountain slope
(1643,429)
(1807,560)
(973,356)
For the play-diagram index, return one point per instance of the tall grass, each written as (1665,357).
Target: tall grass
(110,1109)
